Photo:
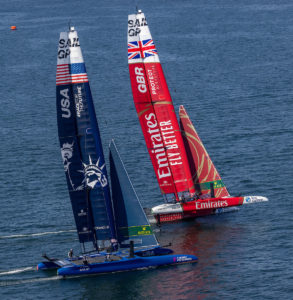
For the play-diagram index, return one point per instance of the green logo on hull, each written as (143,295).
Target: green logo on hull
(136,230)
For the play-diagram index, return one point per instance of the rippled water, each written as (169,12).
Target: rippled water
(230,65)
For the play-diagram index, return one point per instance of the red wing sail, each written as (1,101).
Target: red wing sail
(202,168)
(155,110)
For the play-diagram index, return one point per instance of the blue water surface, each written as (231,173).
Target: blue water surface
(230,64)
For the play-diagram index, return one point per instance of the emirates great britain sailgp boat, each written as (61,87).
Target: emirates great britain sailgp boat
(186,175)
(112,227)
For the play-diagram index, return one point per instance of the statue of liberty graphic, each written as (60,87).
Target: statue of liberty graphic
(93,173)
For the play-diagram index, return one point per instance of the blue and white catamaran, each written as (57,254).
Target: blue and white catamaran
(113,230)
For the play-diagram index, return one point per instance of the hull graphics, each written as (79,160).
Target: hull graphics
(201,208)
(126,264)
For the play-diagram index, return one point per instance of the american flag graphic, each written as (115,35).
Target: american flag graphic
(141,49)
(73,73)
(63,75)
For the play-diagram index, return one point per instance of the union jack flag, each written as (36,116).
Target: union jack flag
(141,49)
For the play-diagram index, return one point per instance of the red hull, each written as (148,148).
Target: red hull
(199,208)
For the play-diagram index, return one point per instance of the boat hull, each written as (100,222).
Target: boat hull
(47,265)
(125,264)
(56,263)
(202,207)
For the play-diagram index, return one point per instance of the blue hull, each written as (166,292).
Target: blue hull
(157,251)
(125,264)
(47,265)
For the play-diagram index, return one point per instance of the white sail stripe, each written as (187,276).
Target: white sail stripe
(79,75)
(63,67)
(64,81)
(63,78)
(79,81)
(62,75)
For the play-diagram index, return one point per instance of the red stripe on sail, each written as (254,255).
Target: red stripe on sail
(169,127)
(79,78)
(150,129)
(63,75)
(150,92)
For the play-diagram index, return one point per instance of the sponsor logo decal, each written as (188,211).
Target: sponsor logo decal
(183,258)
(140,79)
(64,46)
(65,103)
(210,204)
(136,230)
(134,26)
(247,199)
(161,140)
(82,213)
(79,101)
(158,146)
(102,227)
(63,50)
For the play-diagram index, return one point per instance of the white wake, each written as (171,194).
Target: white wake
(16,271)
(34,234)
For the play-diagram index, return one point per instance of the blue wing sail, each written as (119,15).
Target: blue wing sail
(131,221)
(81,147)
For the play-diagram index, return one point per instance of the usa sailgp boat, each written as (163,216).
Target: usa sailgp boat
(112,227)
(186,175)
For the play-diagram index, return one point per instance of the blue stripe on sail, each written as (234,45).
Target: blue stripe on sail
(77,68)
(82,215)
(73,167)
(83,159)
(93,161)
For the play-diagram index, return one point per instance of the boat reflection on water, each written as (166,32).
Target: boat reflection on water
(212,238)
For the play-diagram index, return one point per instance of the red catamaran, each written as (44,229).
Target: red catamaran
(186,175)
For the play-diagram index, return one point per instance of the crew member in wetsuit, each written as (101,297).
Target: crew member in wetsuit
(70,253)
(84,260)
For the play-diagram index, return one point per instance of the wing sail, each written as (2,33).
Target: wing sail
(131,221)
(156,111)
(81,146)
(202,168)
